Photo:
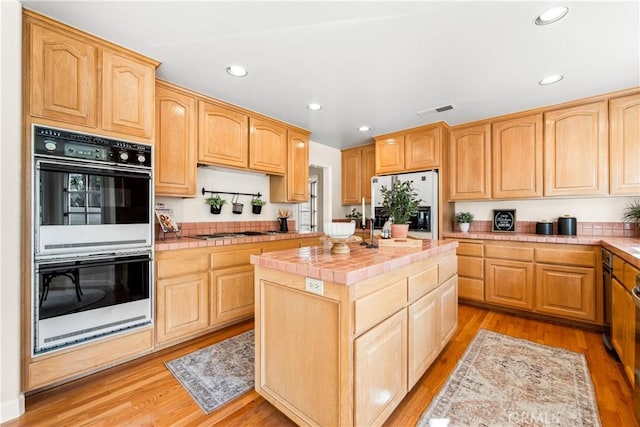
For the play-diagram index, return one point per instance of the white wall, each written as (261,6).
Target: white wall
(599,209)
(11,399)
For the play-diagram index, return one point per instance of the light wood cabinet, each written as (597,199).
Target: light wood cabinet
(181,307)
(410,150)
(267,146)
(448,318)
(79,79)
(424,335)
(358,166)
(470,162)
(127,95)
(624,145)
(175,142)
(223,136)
(231,294)
(623,324)
(470,270)
(566,291)
(516,169)
(294,185)
(576,150)
(62,75)
(509,283)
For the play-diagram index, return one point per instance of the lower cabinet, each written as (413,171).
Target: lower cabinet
(509,283)
(471,270)
(231,293)
(623,320)
(181,307)
(566,291)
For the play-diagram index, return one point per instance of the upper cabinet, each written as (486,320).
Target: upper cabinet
(470,162)
(624,145)
(63,68)
(516,147)
(267,146)
(175,141)
(576,150)
(293,186)
(358,165)
(410,150)
(222,135)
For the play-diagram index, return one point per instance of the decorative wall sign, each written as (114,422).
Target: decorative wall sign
(504,220)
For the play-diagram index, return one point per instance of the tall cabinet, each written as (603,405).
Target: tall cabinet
(470,168)
(624,145)
(358,166)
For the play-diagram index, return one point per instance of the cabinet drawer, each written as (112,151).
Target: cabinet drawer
(471,289)
(423,282)
(181,266)
(585,258)
(509,252)
(470,249)
(447,269)
(373,308)
(227,259)
(470,267)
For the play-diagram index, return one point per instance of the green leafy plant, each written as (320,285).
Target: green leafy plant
(632,213)
(215,201)
(257,201)
(354,215)
(401,201)
(463,217)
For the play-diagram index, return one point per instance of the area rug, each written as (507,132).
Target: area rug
(219,373)
(507,381)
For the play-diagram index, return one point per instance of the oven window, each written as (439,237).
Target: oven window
(74,198)
(72,287)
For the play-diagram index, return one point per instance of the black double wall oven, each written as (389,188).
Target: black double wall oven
(92,200)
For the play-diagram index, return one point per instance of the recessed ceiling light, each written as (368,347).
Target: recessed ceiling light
(314,107)
(237,70)
(549,80)
(364,128)
(552,15)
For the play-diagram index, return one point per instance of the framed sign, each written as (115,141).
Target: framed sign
(504,220)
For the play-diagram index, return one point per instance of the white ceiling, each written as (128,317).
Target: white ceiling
(374,63)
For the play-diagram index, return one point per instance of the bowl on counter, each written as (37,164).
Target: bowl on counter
(339,230)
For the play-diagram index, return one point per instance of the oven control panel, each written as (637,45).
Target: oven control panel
(73,145)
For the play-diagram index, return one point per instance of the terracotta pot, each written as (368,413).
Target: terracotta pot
(399,230)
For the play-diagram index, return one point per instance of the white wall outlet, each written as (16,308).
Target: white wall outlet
(314,285)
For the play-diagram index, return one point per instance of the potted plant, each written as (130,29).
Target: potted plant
(464,220)
(216,202)
(400,202)
(256,204)
(632,214)
(355,216)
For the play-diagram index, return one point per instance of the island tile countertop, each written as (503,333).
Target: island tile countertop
(188,242)
(319,263)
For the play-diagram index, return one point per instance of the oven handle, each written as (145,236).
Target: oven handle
(48,266)
(61,166)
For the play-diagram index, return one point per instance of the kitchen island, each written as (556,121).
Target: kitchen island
(342,338)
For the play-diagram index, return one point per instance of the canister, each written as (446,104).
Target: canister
(567,225)
(544,227)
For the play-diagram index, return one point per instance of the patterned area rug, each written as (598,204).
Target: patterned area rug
(219,373)
(506,381)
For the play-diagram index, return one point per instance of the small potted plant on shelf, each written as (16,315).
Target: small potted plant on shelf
(632,214)
(355,216)
(256,204)
(400,202)
(464,220)
(216,202)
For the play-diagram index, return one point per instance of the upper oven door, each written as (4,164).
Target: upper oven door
(90,208)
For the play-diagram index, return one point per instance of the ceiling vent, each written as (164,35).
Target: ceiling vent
(441,109)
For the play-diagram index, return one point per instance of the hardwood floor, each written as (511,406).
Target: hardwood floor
(144,393)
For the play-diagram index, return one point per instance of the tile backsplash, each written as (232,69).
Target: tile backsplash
(584,228)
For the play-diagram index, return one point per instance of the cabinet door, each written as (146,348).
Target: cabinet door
(368,170)
(624,145)
(470,163)
(351,176)
(576,151)
(298,167)
(422,150)
(423,335)
(181,307)
(380,370)
(231,294)
(175,143)
(223,136)
(127,95)
(569,292)
(390,155)
(509,283)
(63,77)
(267,146)
(517,157)
(448,317)
(618,317)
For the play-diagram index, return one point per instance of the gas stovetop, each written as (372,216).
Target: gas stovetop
(234,234)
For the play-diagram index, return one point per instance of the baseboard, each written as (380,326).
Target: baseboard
(12,408)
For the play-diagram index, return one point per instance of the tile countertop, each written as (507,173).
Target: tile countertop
(627,248)
(187,242)
(319,263)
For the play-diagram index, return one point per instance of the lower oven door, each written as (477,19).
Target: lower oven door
(80,299)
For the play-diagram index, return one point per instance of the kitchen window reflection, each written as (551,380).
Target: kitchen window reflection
(84,196)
